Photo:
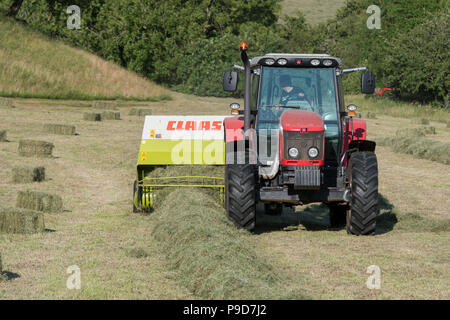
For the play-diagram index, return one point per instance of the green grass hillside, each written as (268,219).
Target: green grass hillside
(33,65)
(315,11)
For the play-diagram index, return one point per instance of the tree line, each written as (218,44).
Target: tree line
(186,45)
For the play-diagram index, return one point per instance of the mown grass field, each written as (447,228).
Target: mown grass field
(315,11)
(120,258)
(32,65)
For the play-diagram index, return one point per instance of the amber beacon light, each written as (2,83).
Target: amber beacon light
(244,46)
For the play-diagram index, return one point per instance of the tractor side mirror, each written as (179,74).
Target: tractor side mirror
(230,79)
(368,83)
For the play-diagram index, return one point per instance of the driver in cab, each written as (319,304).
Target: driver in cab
(291,93)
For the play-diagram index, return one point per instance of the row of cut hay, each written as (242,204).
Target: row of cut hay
(141,112)
(35,148)
(3,136)
(418,132)
(420,147)
(26,174)
(110,115)
(423,121)
(39,201)
(17,220)
(109,105)
(63,129)
(211,257)
(6,102)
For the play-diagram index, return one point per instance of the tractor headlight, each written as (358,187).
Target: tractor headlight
(327,63)
(269,61)
(282,62)
(293,152)
(313,152)
(315,62)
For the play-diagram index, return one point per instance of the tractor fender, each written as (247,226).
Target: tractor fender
(234,129)
(363,145)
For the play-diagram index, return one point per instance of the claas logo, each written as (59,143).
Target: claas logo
(194,125)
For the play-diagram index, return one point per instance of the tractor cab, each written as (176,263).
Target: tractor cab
(283,82)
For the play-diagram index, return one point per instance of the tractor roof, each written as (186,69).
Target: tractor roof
(295,56)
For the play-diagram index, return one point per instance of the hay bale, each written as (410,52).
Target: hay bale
(371,115)
(24,221)
(6,102)
(34,148)
(25,174)
(110,105)
(3,135)
(63,129)
(110,115)
(92,116)
(141,112)
(39,201)
(421,121)
(211,257)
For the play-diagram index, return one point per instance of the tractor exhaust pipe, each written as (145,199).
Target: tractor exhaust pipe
(247,85)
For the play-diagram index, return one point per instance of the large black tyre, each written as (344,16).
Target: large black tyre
(240,197)
(338,215)
(363,178)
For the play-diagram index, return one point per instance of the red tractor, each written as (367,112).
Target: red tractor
(295,143)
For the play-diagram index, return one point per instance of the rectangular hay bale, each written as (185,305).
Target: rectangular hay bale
(140,112)
(34,148)
(92,116)
(23,221)
(110,115)
(63,129)
(3,135)
(39,201)
(25,174)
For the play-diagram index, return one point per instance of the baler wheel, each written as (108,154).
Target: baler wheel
(363,178)
(240,195)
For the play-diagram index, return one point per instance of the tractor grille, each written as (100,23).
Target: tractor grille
(303,141)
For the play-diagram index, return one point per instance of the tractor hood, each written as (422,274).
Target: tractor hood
(301,120)
(302,131)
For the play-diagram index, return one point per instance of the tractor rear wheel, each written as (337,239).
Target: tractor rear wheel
(338,214)
(240,197)
(363,178)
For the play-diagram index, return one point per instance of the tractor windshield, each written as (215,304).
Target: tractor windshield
(310,89)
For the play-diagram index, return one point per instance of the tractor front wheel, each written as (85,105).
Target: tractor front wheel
(363,178)
(240,197)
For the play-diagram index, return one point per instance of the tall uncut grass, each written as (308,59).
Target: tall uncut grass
(33,65)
